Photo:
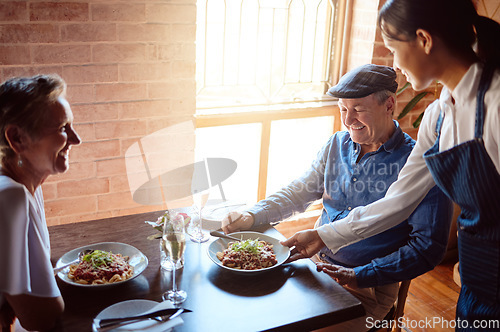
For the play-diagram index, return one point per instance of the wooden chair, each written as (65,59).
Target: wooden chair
(397,311)
(399,306)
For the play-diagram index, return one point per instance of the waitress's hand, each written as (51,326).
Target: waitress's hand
(343,275)
(304,244)
(236,221)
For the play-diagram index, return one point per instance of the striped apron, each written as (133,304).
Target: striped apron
(468,176)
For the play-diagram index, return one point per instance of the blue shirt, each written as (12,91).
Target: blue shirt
(403,252)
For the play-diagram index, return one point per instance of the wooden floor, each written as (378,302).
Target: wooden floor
(432,297)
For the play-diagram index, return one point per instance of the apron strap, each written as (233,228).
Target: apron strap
(484,85)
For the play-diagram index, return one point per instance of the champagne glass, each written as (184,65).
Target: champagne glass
(197,234)
(174,243)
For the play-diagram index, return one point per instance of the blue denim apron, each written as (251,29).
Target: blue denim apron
(468,176)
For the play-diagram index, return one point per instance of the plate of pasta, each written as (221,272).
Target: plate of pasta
(107,263)
(254,253)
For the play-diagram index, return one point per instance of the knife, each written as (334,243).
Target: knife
(108,322)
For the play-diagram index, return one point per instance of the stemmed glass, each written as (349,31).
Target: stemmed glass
(197,234)
(174,243)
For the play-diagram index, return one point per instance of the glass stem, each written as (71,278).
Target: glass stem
(174,286)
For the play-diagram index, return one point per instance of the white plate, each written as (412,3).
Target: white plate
(136,258)
(282,253)
(137,307)
(217,212)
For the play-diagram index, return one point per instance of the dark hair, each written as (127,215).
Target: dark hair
(24,102)
(455,22)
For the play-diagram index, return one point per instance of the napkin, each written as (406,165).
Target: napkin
(136,307)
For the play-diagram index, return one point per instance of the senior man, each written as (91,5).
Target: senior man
(354,168)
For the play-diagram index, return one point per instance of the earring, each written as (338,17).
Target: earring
(19,162)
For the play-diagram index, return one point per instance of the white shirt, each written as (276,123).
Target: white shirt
(24,243)
(415,180)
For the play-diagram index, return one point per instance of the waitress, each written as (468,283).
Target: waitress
(457,146)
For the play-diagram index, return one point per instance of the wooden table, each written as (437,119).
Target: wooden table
(291,297)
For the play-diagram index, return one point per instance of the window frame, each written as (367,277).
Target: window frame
(265,115)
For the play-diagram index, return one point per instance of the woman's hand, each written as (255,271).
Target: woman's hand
(342,275)
(306,244)
(235,221)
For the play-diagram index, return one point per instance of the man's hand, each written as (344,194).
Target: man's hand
(342,275)
(307,243)
(235,221)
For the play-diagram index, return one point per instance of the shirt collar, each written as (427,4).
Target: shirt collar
(466,89)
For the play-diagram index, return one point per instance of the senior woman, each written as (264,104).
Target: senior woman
(36,134)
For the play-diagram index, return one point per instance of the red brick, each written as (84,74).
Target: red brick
(90,73)
(177,52)
(183,69)
(145,72)
(85,131)
(183,106)
(59,11)
(171,90)
(53,221)
(14,55)
(115,201)
(49,191)
(31,70)
(96,150)
(28,33)
(183,33)
(120,92)
(118,12)
(145,109)
(84,187)
(61,54)
(158,124)
(143,32)
(171,13)
(116,53)
(81,94)
(88,32)
(77,170)
(13,11)
(96,112)
(119,183)
(72,206)
(111,167)
(120,129)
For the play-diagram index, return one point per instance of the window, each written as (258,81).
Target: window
(263,67)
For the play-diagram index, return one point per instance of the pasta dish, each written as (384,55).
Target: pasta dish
(248,255)
(101,267)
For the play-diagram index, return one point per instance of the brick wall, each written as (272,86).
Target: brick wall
(130,70)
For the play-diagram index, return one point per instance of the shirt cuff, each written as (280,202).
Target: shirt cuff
(337,235)
(259,216)
(365,276)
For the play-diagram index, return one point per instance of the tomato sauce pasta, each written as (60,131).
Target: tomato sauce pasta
(248,255)
(101,267)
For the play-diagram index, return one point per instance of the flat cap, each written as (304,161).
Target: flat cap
(363,81)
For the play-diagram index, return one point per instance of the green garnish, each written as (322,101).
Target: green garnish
(253,246)
(98,258)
